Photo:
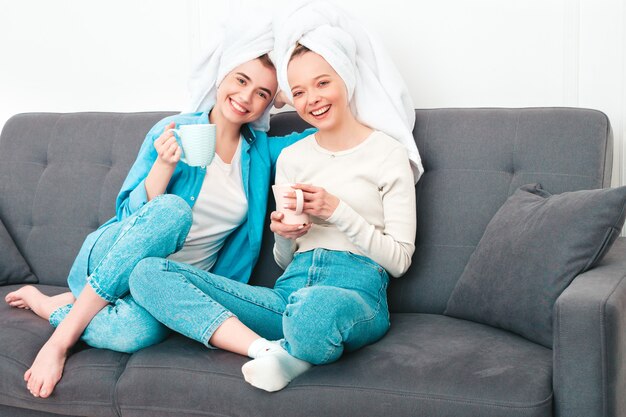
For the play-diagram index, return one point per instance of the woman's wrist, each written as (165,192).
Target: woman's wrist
(164,166)
(332,203)
(158,178)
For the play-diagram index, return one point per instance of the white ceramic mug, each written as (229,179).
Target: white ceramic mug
(290,216)
(197,143)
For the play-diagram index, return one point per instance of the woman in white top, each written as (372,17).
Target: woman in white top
(358,188)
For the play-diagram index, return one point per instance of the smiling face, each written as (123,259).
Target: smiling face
(246,91)
(319,94)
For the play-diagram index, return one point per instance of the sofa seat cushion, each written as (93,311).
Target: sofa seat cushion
(427,365)
(88,383)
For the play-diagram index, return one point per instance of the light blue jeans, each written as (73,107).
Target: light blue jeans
(325,302)
(158,229)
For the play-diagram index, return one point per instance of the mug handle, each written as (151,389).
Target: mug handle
(299,201)
(176,133)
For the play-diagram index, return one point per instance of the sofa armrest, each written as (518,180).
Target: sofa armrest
(590,341)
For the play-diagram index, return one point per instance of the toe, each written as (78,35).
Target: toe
(36,387)
(27,375)
(46,389)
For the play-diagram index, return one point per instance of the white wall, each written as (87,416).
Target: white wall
(135,55)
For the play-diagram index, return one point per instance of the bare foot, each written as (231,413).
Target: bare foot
(30,298)
(21,297)
(46,371)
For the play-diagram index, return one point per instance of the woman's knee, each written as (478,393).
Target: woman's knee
(312,325)
(171,213)
(144,274)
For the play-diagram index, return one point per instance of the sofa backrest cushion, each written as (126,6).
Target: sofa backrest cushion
(474,160)
(59,177)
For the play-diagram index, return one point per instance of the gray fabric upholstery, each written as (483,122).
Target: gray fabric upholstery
(88,384)
(474,160)
(23,412)
(13,266)
(439,365)
(531,250)
(60,173)
(590,340)
(59,177)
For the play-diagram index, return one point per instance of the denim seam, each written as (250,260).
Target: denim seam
(222,289)
(212,326)
(372,264)
(332,350)
(127,228)
(376,310)
(123,233)
(370,318)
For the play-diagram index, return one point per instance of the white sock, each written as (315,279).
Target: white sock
(259,346)
(273,368)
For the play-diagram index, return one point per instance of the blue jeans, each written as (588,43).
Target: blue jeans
(158,229)
(325,302)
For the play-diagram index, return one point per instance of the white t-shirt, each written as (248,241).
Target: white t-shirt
(376,214)
(220,208)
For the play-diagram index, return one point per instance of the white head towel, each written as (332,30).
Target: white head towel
(237,41)
(378,95)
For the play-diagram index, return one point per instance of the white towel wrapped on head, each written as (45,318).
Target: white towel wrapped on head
(239,40)
(378,95)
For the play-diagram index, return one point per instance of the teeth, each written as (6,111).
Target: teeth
(237,106)
(320,111)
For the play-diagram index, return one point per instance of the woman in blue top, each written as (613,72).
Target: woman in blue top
(210,217)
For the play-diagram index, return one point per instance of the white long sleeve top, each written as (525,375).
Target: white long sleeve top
(376,216)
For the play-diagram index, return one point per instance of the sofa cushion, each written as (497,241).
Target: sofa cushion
(88,383)
(427,365)
(14,268)
(59,177)
(531,250)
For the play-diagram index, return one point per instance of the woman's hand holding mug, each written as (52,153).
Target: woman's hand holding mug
(288,231)
(168,150)
(317,201)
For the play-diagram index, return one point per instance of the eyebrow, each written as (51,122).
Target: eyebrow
(267,90)
(314,79)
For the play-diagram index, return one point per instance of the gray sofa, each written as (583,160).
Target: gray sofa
(60,174)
